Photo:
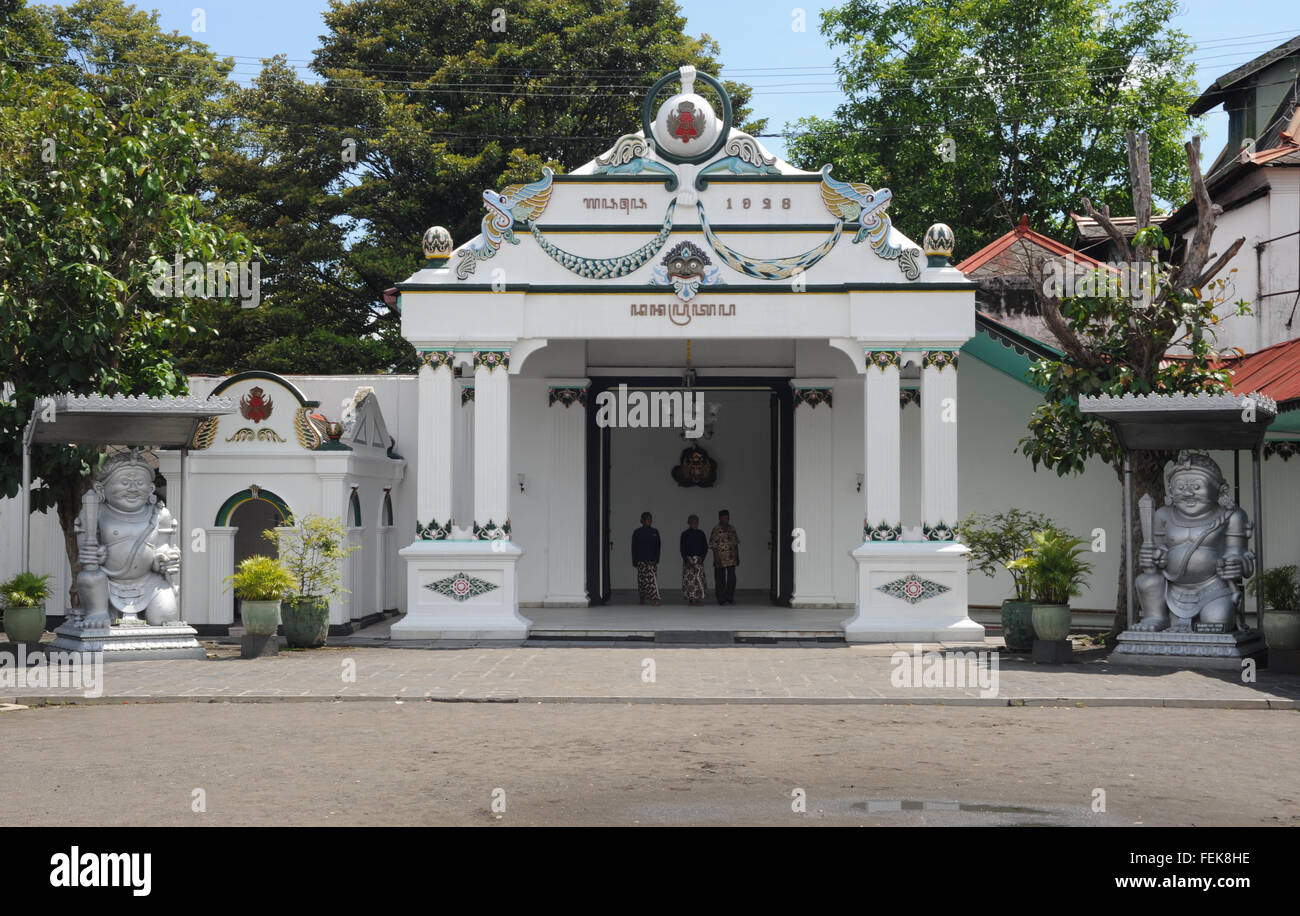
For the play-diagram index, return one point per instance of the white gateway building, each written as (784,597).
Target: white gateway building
(685,324)
(686,264)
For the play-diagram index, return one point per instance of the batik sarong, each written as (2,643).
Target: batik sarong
(693,584)
(647,581)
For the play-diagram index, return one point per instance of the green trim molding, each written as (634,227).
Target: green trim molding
(243,496)
(265,376)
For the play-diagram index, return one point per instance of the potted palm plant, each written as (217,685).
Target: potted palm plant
(1280,588)
(311,549)
(261,583)
(22,600)
(996,541)
(1054,572)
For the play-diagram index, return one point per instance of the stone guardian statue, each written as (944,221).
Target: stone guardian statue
(1195,552)
(127,549)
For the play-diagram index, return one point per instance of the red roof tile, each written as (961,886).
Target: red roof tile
(1022,231)
(1275,371)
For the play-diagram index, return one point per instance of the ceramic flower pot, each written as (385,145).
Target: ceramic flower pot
(1018,624)
(24,624)
(1051,621)
(1281,629)
(306,622)
(261,618)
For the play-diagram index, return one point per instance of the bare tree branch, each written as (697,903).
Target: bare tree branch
(1199,251)
(1102,217)
(1218,265)
(1139,161)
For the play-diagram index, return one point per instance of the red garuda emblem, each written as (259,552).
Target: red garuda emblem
(686,122)
(255,405)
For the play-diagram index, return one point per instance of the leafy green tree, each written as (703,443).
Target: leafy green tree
(110,48)
(438,100)
(1036,96)
(279,180)
(94,192)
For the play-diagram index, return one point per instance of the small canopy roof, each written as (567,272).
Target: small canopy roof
(93,419)
(1185,421)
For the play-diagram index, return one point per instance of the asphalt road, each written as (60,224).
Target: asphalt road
(417,763)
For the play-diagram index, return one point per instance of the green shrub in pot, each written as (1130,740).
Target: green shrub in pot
(1280,589)
(1054,571)
(311,548)
(22,599)
(996,541)
(261,583)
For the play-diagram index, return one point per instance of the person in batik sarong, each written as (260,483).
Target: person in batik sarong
(725,543)
(695,546)
(645,557)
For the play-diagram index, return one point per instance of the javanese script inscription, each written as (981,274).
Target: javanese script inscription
(681,313)
(626,204)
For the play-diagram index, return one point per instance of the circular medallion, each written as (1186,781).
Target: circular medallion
(686,128)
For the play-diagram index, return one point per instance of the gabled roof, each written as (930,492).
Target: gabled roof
(1279,146)
(1275,371)
(1221,87)
(1023,232)
(1089,230)
(1286,149)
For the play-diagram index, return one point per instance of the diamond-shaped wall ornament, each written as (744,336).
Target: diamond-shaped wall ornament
(461,587)
(913,588)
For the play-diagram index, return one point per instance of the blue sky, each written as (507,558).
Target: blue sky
(755,35)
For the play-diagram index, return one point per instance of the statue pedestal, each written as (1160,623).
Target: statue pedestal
(130,643)
(1188,650)
(462,590)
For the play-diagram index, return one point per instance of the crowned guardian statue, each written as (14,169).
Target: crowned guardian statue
(127,549)
(1195,551)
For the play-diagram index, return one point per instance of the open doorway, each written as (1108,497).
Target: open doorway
(253,517)
(747,435)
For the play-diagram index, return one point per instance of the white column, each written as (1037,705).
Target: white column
(882,501)
(567,494)
(815,485)
(383,545)
(491,444)
(217,605)
(462,502)
(333,504)
(939,445)
(908,591)
(467,588)
(439,396)
(355,575)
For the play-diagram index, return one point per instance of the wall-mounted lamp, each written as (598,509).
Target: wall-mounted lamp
(520,478)
(860,478)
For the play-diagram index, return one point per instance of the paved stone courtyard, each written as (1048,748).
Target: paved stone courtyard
(650,673)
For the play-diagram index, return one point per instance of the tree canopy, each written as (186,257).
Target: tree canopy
(1035,95)
(418,109)
(97,189)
